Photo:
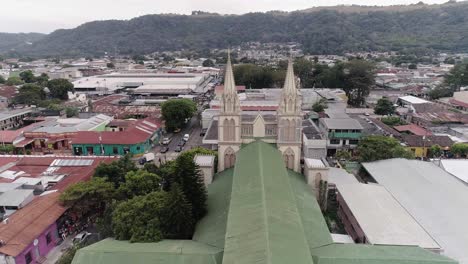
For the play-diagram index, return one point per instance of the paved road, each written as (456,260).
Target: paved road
(193,129)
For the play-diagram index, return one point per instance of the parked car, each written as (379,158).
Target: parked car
(166,141)
(186,137)
(81,237)
(179,148)
(164,149)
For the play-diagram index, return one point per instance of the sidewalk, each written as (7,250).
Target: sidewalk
(57,252)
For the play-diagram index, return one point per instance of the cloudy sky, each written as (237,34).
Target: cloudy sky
(48,15)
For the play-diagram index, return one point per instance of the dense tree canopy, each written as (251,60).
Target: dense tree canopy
(59,88)
(2,80)
(14,81)
(374,148)
(30,94)
(459,149)
(358,80)
(88,197)
(27,76)
(139,183)
(332,30)
(255,77)
(208,63)
(115,172)
(384,107)
(176,112)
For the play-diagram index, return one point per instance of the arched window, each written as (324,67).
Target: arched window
(292,130)
(229,158)
(226,130)
(288,157)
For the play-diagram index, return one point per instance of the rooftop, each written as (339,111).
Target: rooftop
(26,224)
(433,197)
(413,99)
(413,129)
(383,220)
(343,123)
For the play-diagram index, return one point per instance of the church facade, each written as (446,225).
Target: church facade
(283,128)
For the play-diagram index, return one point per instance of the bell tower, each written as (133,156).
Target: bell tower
(229,121)
(290,121)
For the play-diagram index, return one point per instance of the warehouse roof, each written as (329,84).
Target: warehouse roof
(383,220)
(456,167)
(433,197)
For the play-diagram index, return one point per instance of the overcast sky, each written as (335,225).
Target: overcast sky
(48,15)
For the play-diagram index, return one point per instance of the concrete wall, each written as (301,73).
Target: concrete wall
(136,149)
(42,247)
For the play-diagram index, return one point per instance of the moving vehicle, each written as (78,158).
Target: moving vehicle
(164,149)
(148,157)
(81,237)
(166,141)
(203,132)
(179,148)
(186,137)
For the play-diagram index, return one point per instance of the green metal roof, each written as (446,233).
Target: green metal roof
(111,251)
(211,230)
(264,224)
(371,254)
(258,212)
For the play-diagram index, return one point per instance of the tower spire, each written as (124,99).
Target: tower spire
(229,84)
(290,80)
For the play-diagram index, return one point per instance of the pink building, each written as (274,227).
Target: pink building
(30,233)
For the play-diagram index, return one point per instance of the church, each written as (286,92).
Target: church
(260,209)
(284,128)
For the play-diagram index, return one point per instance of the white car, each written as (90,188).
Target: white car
(166,141)
(81,237)
(186,137)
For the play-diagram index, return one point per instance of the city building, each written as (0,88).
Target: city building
(12,119)
(341,133)
(283,127)
(421,145)
(28,232)
(433,197)
(258,212)
(371,215)
(144,83)
(137,139)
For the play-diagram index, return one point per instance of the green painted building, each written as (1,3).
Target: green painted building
(258,212)
(137,140)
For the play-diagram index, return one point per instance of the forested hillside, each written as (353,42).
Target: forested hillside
(327,30)
(10,41)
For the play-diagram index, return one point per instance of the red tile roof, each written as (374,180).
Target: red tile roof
(413,129)
(459,103)
(29,222)
(8,91)
(138,133)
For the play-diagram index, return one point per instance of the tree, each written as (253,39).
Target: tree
(254,76)
(138,219)
(30,94)
(440,92)
(177,220)
(7,148)
(90,197)
(384,107)
(42,79)
(14,81)
(320,106)
(459,149)
(71,111)
(358,79)
(374,148)
(187,176)
(115,172)
(59,88)
(27,76)
(343,154)
(176,111)
(457,77)
(110,65)
(412,66)
(435,151)
(208,63)
(392,121)
(138,183)
(2,80)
